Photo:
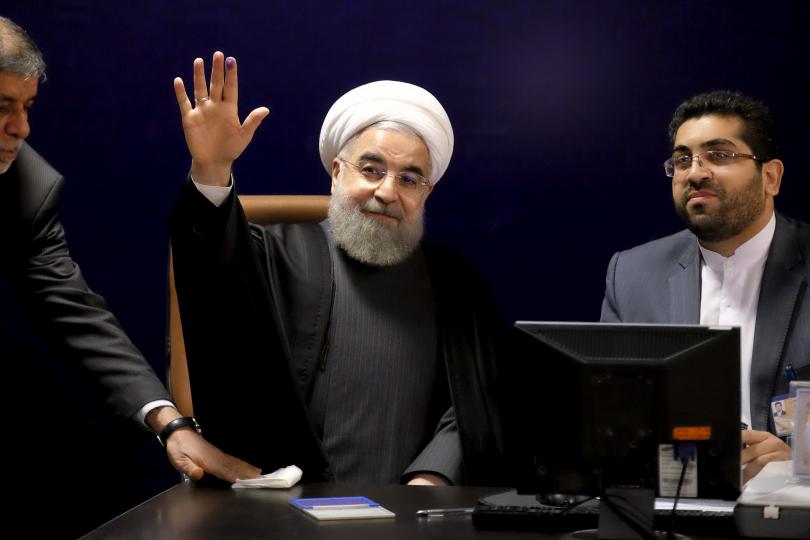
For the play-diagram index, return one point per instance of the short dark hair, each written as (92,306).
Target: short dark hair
(759,127)
(18,52)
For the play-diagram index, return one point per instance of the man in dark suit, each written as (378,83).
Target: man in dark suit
(46,308)
(739,263)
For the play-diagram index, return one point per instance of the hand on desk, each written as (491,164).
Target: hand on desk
(760,448)
(428,479)
(193,456)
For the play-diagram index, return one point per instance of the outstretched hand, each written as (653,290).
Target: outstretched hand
(214,134)
(195,457)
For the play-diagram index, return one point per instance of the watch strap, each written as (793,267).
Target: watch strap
(174,425)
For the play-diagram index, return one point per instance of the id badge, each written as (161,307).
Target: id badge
(783,411)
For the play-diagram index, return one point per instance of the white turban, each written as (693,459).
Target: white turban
(389,101)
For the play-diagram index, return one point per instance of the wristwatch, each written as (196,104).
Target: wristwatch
(174,425)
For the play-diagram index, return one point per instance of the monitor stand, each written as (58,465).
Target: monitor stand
(625,513)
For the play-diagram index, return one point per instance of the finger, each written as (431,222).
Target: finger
(748,455)
(200,91)
(753,436)
(182,461)
(217,76)
(231,91)
(755,466)
(182,97)
(771,449)
(193,471)
(750,471)
(253,120)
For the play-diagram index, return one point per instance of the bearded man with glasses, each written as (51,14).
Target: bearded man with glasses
(739,263)
(362,353)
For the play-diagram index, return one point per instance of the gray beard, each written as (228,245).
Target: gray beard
(368,240)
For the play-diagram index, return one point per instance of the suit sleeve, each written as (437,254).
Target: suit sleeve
(244,391)
(79,320)
(473,339)
(442,455)
(610,308)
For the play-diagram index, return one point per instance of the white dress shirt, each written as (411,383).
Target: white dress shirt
(729,295)
(215,194)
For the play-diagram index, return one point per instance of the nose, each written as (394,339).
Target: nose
(17,124)
(697,171)
(386,191)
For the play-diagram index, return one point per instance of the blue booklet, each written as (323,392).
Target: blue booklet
(328,508)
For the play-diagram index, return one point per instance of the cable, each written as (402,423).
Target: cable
(684,452)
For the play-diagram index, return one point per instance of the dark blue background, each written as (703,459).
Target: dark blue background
(560,112)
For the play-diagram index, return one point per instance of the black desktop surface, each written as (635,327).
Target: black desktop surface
(205,513)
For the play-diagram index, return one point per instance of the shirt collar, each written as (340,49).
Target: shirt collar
(754,251)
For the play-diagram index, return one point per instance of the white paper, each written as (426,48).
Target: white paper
(284,478)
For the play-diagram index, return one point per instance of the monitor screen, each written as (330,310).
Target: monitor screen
(590,406)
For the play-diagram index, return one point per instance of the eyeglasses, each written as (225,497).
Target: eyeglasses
(374,174)
(678,165)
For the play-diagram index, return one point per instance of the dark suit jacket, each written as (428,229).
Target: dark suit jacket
(659,282)
(46,308)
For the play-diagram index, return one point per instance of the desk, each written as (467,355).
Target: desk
(190,512)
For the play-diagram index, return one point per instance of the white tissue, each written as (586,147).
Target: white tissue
(284,478)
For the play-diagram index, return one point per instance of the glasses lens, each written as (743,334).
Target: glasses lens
(370,172)
(409,180)
(719,157)
(677,165)
(669,167)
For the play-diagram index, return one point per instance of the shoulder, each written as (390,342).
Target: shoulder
(660,251)
(794,226)
(299,245)
(38,183)
(33,169)
(292,235)
(451,272)
(791,242)
(441,258)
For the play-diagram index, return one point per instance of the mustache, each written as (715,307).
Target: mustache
(701,186)
(375,206)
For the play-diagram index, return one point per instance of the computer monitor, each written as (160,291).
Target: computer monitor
(591,406)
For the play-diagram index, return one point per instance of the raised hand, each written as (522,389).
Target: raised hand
(214,134)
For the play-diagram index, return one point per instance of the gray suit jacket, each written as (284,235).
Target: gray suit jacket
(659,282)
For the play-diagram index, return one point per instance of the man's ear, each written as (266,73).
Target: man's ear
(428,192)
(335,173)
(772,172)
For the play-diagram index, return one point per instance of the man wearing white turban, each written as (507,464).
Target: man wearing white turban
(351,348)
